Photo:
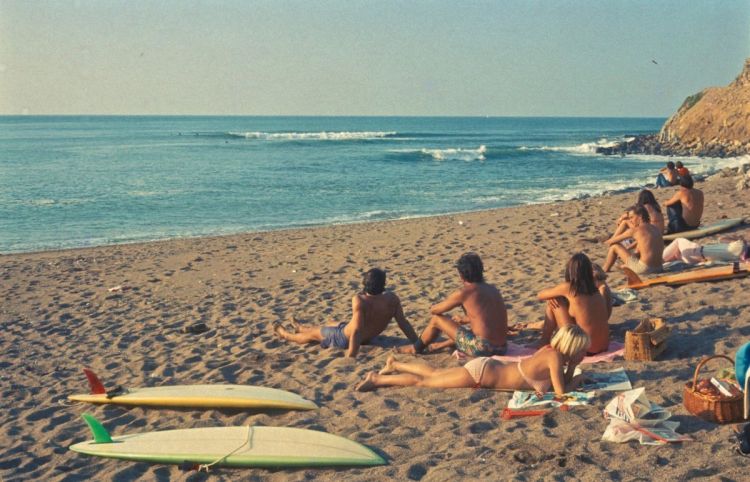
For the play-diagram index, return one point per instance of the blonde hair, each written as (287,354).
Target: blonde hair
(570,340)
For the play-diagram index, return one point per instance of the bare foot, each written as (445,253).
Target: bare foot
(388,368)
(368,384)
(279,330)
(440,346)
(406,350)
(529,325)
(295,324)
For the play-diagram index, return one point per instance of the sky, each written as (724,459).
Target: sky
(620,58)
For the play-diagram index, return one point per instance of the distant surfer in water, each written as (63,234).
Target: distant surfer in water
(583,299)
(372,310)
(647,248)
(482,330)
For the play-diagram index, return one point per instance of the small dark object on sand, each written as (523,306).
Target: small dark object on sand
(196,328)
(743,439)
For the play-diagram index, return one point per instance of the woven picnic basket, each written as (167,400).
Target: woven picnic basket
(647,340)
(723,410)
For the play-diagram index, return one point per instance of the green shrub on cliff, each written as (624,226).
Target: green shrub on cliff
(690,101)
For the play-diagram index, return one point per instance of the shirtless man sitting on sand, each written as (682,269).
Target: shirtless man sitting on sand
(485,315)
(583,300)
(685,208)
(372,310)
(648,245)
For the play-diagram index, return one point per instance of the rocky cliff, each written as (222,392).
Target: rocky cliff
(714,122)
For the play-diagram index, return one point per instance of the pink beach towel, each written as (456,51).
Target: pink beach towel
(517,353)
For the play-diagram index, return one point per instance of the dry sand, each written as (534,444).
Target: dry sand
(57,316)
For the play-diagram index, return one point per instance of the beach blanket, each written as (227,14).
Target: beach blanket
(517,353)
(626,295)
(608,381)
(524,399)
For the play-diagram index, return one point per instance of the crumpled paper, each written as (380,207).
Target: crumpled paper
(633,417)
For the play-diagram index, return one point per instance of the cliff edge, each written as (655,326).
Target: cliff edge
(715,122)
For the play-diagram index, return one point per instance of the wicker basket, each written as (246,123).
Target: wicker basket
(647,340)
(724,410)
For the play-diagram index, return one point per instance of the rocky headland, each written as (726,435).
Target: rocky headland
(715,122)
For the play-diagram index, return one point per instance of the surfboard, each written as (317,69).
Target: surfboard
(707,274)
(230,446)
(706,230)
(195,396)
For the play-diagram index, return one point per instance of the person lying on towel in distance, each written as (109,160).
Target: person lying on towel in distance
(581,300)
(647,248)
(690,252)
(483,329)
(552,366)
(372,310)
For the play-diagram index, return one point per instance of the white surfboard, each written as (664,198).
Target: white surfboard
(231,446)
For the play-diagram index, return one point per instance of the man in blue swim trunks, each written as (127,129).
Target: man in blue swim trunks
(372,310)
(483,329)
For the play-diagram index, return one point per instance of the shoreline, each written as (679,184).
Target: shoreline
(606,193)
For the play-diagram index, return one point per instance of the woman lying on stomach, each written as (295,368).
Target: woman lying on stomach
(552,366)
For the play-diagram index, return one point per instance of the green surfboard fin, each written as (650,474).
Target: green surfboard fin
(101,436)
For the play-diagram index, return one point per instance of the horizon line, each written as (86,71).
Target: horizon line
(349,116)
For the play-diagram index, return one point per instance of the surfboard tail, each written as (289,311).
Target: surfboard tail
(633,279)
(101,436)
(97,387)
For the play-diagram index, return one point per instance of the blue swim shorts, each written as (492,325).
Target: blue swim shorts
(333,336)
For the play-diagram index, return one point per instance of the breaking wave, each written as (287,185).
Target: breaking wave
(456,154)
(313,136)
(587,148)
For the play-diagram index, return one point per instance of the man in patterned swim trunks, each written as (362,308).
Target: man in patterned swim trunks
(483,329)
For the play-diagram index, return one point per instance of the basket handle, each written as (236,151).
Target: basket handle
(703,362)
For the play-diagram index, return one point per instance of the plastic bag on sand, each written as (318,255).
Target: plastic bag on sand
(633,417)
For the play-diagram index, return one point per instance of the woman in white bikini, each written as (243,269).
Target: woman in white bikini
(551,366)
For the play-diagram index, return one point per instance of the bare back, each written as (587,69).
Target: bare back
(591,313)
(650,244)
(485,309)
(692,205)
(377,311)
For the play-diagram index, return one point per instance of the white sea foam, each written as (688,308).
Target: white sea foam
(456,154)
(587,148)
(314,136)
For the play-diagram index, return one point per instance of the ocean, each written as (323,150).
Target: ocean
(75,181)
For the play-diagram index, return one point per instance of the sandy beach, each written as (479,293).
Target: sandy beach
(58,315)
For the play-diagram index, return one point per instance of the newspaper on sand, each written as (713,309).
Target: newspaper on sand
(633,417)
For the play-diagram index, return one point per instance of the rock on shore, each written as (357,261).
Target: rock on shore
(712,123)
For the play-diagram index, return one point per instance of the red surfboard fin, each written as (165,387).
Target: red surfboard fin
(97,387)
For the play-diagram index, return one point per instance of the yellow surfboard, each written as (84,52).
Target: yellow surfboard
(195,396)
(707,274)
